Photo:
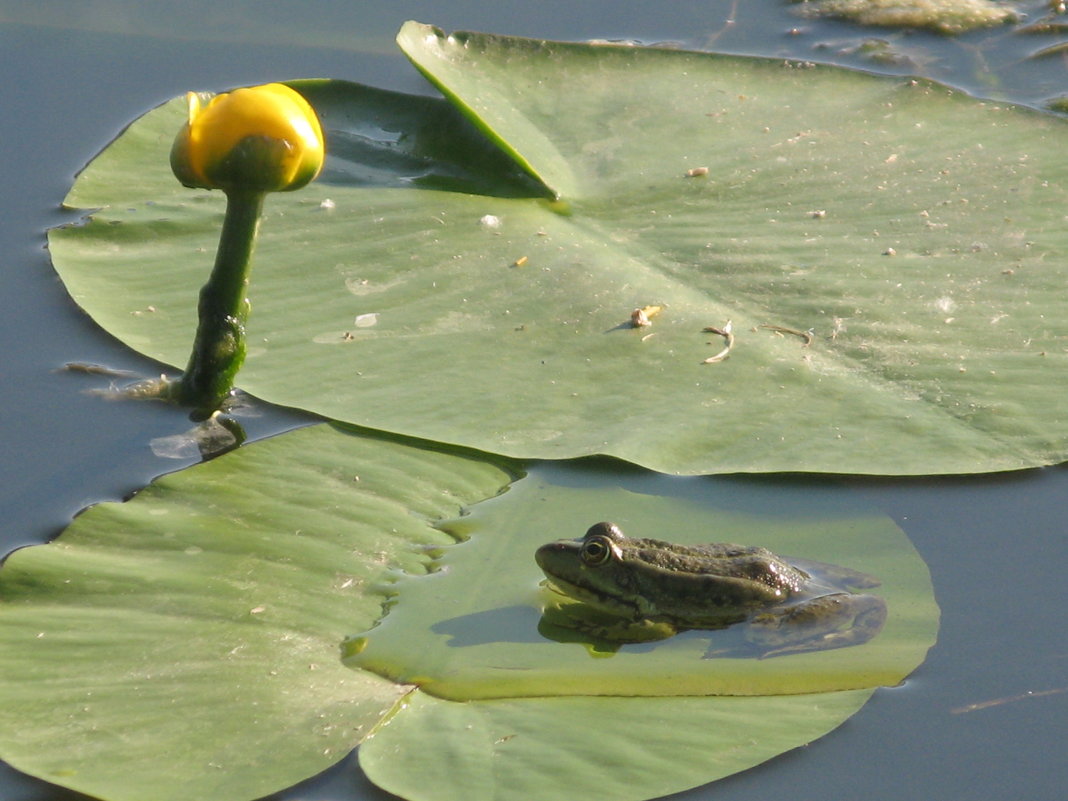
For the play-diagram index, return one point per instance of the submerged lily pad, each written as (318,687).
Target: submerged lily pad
(485,643)
(891,254)
(187,643)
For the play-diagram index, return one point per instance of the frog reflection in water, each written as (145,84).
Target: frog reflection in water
(659,588)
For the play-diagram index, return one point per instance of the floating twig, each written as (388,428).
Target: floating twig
(1006,700)
(97,369)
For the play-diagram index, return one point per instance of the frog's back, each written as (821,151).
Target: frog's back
(725,559)
(708,585)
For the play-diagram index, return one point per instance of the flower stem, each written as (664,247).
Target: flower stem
(219,346)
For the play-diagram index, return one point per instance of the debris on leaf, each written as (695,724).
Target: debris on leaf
(640,318)
(728,338)
(806,336)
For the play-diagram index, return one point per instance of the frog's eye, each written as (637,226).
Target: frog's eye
(596,551)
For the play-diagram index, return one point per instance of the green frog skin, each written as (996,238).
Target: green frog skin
(658,588)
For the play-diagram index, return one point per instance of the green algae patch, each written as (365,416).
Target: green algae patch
(942,16)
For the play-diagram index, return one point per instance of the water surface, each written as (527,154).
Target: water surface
(996,545)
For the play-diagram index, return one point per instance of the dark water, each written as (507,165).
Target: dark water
(75,74)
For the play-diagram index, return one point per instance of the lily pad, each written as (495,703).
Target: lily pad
(185,644)
(484,643)
(601,749)
(500,712)
(206,618)
(891,254)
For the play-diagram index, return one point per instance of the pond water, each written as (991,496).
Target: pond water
(984,717)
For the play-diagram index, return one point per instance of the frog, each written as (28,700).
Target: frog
(649,589)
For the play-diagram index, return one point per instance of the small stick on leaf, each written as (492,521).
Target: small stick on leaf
(806,336)
(728,338)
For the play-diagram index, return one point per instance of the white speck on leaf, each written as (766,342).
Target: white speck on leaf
(945,304)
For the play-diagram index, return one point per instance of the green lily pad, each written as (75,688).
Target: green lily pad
(891,254)
(600,749)
(206,617)
(484,643)
(185,644)
(500,712)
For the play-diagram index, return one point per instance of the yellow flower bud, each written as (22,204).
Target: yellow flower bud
(260,139)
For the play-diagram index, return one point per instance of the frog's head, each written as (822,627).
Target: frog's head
(592,569)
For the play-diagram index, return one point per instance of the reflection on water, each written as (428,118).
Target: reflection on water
(207,439)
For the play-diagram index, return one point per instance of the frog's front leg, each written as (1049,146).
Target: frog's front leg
(828,621)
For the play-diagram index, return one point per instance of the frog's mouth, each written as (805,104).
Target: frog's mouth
(590,597)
